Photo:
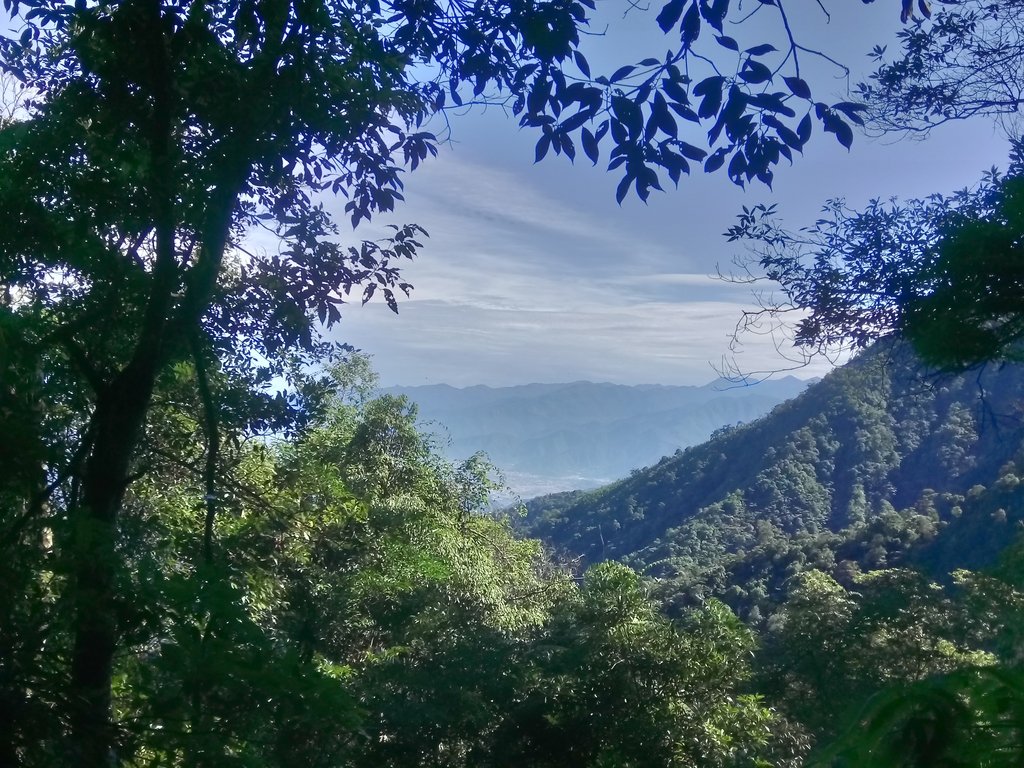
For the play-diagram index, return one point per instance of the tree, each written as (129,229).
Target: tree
(613,683)
(896,629)
(968,716)
(943,273)
(940,271)
(965,63)
(159,132)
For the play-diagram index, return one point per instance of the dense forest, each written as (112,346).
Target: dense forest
(359,608)
(866,530)
(219,548)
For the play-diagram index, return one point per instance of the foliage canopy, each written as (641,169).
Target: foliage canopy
(943,272)
(162,544)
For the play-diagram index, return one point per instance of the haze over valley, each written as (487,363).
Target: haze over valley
(546,438)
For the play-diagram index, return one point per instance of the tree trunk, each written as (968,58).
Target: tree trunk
(117,423)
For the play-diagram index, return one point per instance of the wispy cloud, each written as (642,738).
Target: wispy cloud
(464,343)
(534,274)
(517,284)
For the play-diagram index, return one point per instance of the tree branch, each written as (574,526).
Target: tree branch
(212,428)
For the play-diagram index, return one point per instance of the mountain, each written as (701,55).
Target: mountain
(877,451)
(562,436)
(869,531)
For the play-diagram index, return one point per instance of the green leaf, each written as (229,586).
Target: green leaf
(620,73)
(715,161)
(691,26)
(623,188)
(590,146)
(543,145)
(803,130)
(755,72)
(582,63)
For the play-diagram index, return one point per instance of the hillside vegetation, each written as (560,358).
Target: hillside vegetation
(868,460)
(869,531)
(870,437)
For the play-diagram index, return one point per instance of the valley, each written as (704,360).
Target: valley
(547,438)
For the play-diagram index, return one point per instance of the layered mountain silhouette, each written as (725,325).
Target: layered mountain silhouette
(551,437)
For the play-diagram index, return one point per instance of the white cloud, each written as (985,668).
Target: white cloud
(533,273)
(462,344)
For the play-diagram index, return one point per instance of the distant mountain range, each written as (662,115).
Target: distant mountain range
(554,437)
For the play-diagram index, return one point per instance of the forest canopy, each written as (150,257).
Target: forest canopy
(217,548)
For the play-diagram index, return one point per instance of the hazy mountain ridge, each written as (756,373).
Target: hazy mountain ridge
(584,433)
(870,438)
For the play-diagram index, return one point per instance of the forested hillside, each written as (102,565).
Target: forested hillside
(562,436)
(869,530)
(876,436)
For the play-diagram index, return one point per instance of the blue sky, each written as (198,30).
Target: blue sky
(533,273)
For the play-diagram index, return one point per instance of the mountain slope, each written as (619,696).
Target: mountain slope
(872,437)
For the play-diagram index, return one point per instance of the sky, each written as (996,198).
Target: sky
(532,273)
